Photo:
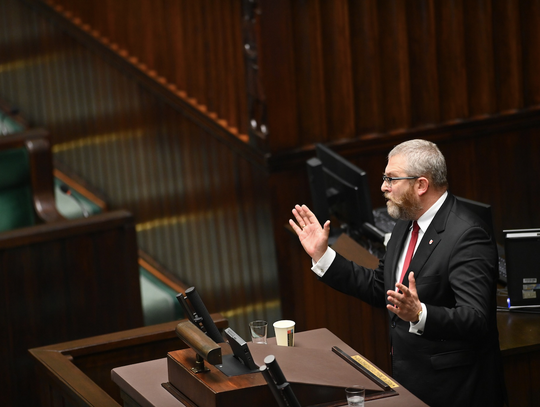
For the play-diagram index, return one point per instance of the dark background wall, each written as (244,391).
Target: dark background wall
(199,116)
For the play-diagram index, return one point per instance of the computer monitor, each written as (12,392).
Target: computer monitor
(522,247)
(339,189)
(482,210)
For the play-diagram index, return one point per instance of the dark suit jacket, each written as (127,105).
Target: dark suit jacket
(456,361)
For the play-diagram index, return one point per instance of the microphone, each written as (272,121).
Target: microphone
(65,189)
(197,303)
(278,377)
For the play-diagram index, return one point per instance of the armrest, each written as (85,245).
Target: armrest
(41,173)
(64,228)
(37,144)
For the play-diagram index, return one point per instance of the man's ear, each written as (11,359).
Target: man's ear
(422,185)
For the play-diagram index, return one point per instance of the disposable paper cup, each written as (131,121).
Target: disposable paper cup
(284,332)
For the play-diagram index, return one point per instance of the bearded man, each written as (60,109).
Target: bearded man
(437,280)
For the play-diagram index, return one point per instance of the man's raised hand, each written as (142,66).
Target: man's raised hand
(313,237)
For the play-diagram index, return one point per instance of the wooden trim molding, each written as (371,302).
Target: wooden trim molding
(158,85)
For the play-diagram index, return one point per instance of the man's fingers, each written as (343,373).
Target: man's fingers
(411,278)
(326,228)
(294,226)
(310,217)
(412,282)
(392,308)
(298,216)
(403,288)
(393,297)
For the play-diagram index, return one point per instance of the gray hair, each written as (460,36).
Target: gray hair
(423,159)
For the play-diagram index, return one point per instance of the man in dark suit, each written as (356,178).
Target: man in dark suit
(442,302)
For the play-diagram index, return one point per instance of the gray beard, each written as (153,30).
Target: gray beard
(407,209)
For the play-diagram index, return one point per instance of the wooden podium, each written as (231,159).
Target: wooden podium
(316,373)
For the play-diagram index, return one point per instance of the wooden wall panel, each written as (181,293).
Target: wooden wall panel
(424,82)
(393,46)
(413,65)
(308,60)
(279,72)
(530,35)
(194,47)
(201,208)
(507,53)
(479,58)
(337,68)
(451,60)
(367,62)
(332,71)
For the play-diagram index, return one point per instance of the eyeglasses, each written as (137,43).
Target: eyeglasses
(389,180)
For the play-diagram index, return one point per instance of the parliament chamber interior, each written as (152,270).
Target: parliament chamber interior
(150,146)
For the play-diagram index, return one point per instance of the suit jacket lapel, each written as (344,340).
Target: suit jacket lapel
(431,239)
(395,247)
(429,242)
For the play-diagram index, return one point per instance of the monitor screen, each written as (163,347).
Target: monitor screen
(482,210)
(340,190)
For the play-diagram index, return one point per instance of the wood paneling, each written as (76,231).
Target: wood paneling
(409,65)
(530,35)
(60,282)
(424,75)
(331,70)
(194,46)
(479,58)
(162,135)
(201,207)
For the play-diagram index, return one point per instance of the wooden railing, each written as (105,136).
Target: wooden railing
(78,373)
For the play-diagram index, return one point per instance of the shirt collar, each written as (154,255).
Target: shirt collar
(425,220)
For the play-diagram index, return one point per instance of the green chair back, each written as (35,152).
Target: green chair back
(16,204)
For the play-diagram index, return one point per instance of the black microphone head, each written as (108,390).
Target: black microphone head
(64,188)
(198,304)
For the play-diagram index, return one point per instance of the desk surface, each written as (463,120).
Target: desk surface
(518,332)
(142,382)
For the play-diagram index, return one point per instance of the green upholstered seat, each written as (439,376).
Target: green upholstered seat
(8,125)
(158,300)
(16,204)
(68,206)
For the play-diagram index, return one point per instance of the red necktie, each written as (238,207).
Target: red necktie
(410,250)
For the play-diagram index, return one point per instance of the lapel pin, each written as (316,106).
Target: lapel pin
(431,241)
